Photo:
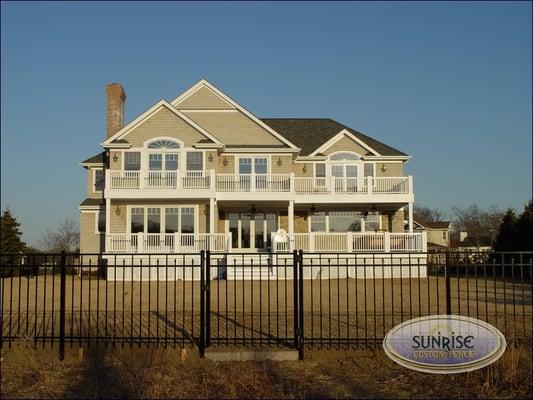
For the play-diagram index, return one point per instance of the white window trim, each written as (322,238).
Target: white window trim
(253,156)
(96,214)
(162,215)
(182,156)
(93,173)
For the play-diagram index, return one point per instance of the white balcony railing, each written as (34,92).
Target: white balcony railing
(366,185)
(271,183)
(160,179)
(166,242)
(378,242)
(254,183)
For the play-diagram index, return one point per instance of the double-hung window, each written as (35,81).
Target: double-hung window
(132,161)
(99,178)
(195,161)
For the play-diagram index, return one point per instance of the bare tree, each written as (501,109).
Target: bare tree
(480,225)
(65,238)
(428,214)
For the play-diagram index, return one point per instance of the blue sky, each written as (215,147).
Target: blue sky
(448,83)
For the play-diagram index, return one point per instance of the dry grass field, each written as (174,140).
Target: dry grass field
(151,373)
(335,310)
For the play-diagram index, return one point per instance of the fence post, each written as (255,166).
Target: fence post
(301,305)
(295,297)
(63,280)
(201,344)
(448,285)
(207,298)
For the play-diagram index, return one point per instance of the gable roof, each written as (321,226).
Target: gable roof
(203,83)
(96,159)
(433,224)
(311,133)
(118,137)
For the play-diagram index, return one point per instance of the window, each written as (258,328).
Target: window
(154,220)
(343,155)
(344,221)
(98,180)
(320,170)
(101,222)
(260,165)
(369,169)
(132,161)
(372,221)
(155,162)
(444,235)
(171,220)
(195,161)
(171,162)
(164,144)
(245,165)
(187,220)
(318,222)
(137,220)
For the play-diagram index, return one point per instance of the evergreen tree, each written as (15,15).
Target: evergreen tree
(506,239)
(10,234)
(524,229)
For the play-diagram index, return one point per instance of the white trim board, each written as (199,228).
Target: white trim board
(338,137)
(234,104)
(148,113)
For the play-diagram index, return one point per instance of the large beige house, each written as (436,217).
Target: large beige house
(202,172)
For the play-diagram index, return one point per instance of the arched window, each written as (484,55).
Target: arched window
(344,156)
(164,144)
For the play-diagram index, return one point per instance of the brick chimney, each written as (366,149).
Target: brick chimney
(116,97)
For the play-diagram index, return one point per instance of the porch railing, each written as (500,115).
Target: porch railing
(347,185)
(160,179)
(351,242)
(195,180)
(254,183)
(166,242)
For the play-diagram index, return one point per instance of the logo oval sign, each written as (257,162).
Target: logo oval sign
(444,344)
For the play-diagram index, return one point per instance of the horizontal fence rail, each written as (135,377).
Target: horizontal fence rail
(290,299)
(159,179)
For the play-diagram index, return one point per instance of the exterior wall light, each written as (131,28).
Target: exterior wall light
(304,169)
(118,210)
(280,163)
(383,167)
(115,156)
(210,157)
(225,161)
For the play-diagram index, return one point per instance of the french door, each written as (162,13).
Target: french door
(252,231)
(345,177)
(253,170)
(162,167)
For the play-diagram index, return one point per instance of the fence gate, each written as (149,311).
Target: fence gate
(251,300)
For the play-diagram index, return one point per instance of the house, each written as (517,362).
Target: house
(438,232)
(202,172)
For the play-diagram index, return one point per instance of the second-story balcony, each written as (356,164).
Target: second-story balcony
(204,184)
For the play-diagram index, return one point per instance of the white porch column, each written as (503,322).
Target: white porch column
(211,215)
(410,217)
(291,217)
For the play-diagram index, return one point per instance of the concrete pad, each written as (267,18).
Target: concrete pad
(272,355)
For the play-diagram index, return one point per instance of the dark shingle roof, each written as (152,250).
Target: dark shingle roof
(99,158)
(93,202)
(432,224)
(311,133)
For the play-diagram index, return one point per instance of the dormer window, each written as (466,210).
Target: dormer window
(164,144)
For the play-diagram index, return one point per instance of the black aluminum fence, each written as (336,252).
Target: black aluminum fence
(298,300)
